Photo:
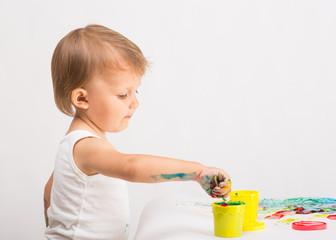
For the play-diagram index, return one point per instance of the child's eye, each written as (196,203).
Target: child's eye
(123,95)
(126,94)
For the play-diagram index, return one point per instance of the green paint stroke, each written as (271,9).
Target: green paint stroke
(182,176)
(126,227)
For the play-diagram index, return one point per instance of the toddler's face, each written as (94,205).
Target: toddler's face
(112,100)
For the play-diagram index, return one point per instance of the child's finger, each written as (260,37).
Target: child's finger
(221,177)
(221,191)
(228,193)
(218,191)
(221,194)
(225,184)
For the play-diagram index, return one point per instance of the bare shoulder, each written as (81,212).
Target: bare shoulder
(92,144)
(90,149)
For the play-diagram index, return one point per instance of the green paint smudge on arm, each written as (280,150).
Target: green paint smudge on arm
(181,176)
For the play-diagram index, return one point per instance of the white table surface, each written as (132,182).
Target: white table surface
(182,219)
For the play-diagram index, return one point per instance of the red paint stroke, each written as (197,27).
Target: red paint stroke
(301,210)
(280,214)
(332,217)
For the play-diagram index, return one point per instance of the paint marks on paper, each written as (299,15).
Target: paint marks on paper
(126,228)
(204,207)
(289,220)
(299,205)
(319,216)
(280,214)
(303,207)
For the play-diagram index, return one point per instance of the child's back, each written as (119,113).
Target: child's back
(85,207)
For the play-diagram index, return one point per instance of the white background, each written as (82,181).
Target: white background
(247,86)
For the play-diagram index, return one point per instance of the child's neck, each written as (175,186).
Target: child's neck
(83,123)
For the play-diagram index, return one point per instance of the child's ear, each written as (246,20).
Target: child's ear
(79,98)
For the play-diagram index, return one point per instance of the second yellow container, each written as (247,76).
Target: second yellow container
(251,199)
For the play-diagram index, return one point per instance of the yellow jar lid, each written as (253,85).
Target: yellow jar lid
(254,226)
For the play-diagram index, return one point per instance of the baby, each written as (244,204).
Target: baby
(96,72)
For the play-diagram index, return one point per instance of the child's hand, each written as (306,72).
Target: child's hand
(215,182)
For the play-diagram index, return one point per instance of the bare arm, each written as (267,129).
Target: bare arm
(46,197)
(93,155)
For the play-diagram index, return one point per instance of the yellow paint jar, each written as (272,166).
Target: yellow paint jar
(251,199)
(228,219)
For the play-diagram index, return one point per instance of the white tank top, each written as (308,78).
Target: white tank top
(85,207)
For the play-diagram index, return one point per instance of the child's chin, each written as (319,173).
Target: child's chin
(116,130)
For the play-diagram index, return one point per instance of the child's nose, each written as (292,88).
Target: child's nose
(134,103)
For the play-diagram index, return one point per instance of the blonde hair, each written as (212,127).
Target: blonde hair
(86,51)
